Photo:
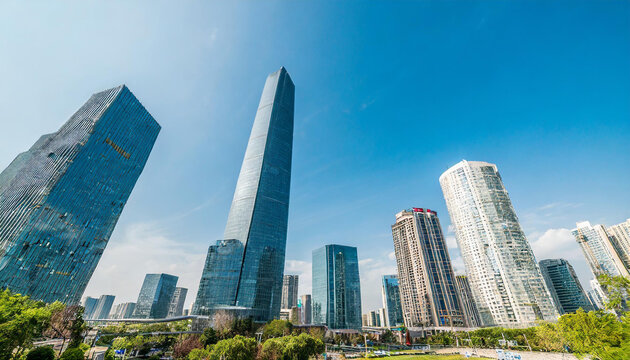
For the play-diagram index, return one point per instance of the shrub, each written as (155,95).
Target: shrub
(41,353)
(73,354)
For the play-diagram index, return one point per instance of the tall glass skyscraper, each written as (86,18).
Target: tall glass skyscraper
(503,274)
(391,301)
(620,238)
(336,287)
(600,251)
(469,306)
(244,272)
(155,296)
(564,286)
(176,307)
(103,307)
(428,291)
(89,305)
(60,200)
(306,309)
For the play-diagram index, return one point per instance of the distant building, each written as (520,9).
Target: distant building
(289,291)
(599,250)
(470,308)
(427,282)
(155,296)
(597,295)
(89,305)
(364,320)
(176,307)
(391,301)
(61,199)
(382,316)
(620,238)
(306,307)
(336,287)
(103,307)
(564,286)
(186,312)
(123,311)
(504,277)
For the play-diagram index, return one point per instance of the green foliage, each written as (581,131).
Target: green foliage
(617,288)
(109,354)
(598,334)
(277,328)
(547,337)
(209,337)
(299,347)
(199,354)
(41,353)
(237,348)
(73,354)
(389,337)
(183,347)
(21,320)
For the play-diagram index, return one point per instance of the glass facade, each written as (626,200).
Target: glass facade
(564,286)
(306,309)
(428,291)
(61,199)
(336,287)
(289,291)
(155,296)
(176,307)
(468,302)
(103,307)
(600,250)
(504,277)
(123,311)
(246,269)
(391,301)
(89,305)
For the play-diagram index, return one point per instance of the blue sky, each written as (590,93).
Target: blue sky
(389,94)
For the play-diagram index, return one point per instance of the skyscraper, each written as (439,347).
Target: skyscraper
(428,293)
(336,287)
(89,305)
(61,199)
(598,248)
(244,271)
(391,301)
(123,311)
(564,286)
(306,307)
(176,307)
(504,277)
(289,291)
(103,307)
(473,319)
(620,237)
(155,296)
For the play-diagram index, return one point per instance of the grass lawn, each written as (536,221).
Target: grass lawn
(424,357)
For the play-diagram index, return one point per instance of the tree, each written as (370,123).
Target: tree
(109,354)
(547,337)
(66,322)
(21,319)
(597,334)
(73,354)
(41,353)
(277,328)
(223,320)
(618,290)
(388,337)
(199,354)
(209,337)
(182,348)
(299,347)
(237,348)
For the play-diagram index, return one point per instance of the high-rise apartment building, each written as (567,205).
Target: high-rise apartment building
(428,292)
(336,287)
(473,319)
(391,301)
(596,295)
(599,250)
(374,320)
(620,237)
(176,307)
(61,199)
(123,311)
(89,305)
(306,309)
(289,291)
(504,278)
(564,286)
(155,296)
(244,271)
(103,307)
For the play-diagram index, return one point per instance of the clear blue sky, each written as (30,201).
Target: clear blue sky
(389,94)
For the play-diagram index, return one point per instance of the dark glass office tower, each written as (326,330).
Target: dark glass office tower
(391,301)
(60,200)
(289,291)
(244,271)
(564,286)
(103,307)
(336,287)
(155,296)
(176,307)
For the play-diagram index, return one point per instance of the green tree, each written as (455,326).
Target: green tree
(182,348)
(209,337)
(547,337)
(109,354)
(73,354)
(21,320)
(277,328)
(299,347)
(617,288)
(237,348)
(199,354)
(597,334)
(41,353)
(389,337)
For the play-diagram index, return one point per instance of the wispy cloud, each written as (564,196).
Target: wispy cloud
(560,243)
(371,271)
(305,270)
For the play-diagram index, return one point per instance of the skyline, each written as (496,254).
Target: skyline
(335,175)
